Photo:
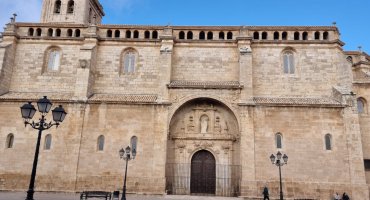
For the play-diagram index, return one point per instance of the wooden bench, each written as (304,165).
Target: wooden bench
(95,194)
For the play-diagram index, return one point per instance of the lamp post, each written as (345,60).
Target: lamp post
(278,162)
(28,111)
(125,154)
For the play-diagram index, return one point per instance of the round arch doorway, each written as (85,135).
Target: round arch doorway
(203,173)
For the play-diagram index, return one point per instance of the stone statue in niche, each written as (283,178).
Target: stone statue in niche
(191,124)
(204,124)
(217,127)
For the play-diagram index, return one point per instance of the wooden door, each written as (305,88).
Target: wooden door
(203,173)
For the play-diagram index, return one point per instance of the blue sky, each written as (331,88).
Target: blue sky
(352,17)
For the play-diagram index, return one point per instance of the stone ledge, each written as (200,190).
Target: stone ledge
(297,101)
(205,84)
(117,98)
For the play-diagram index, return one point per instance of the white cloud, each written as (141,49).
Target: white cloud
(27,11)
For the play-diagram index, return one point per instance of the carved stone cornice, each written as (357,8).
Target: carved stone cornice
(297,101)
(205,85)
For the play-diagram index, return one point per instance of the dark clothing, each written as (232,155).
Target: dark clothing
(265,194)
(345,197)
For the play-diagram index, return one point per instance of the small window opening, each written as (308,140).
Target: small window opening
(202,35)
(117,33)
(317,35)
(288,60)
(9,141)
(47,145)
(276,35)
(221,36)
(100,143)
(229,35)
(58,32)
(181,35)
(109,33)
(155,35)
(129,62)
(128,34)
(296,35)
(325,36)
(264,36)
(50,32)
(54,60)
(256,35)
(360,105)
(71,7)
(304,36)
(210,36)
(350,59)
(69,32)
(189,35)
(284,36)
(328,142)
(367,165)
(146,34)
(38,32)
(30,32)
(77,33)
(279,141)
(136,34)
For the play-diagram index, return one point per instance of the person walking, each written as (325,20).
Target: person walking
(345,196)
(336,196)
(265,193)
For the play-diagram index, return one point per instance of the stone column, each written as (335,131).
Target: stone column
(165,63)
(245,67)
(7,54)
(86,67)
(248,186)
(354,146)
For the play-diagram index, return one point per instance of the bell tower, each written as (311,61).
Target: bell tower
(72,11)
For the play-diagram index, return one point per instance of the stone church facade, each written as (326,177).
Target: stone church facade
(208,105)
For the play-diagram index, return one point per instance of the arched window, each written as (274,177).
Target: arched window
(128,34)
(100,145)
(189,35)
(38,32)
(296,35)
(155,35)
(50,32)
(304,36)
(328,142)
(276,35)
(288,62)
(117,33)
(47,144)
(58,32)
(109,33)
(279,140)
(30,32)
(181,35)
(284,36)
(54,59)
(129,61)
(134,143)
(325,36)
(202,35)
(256,35)
(317,35)
(229,35)
(146,34)
(71,6)
(57,6)
(136,34)
(69,32)
(209,35)
(361,105)
(221,36)
(77,33)
(264,36)
(9,141)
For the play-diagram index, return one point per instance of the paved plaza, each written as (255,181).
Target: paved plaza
(74,196)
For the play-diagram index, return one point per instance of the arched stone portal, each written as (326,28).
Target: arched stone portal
(198,127)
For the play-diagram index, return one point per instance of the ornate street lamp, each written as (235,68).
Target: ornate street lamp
(28,111)
(278,162)
(125,154)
